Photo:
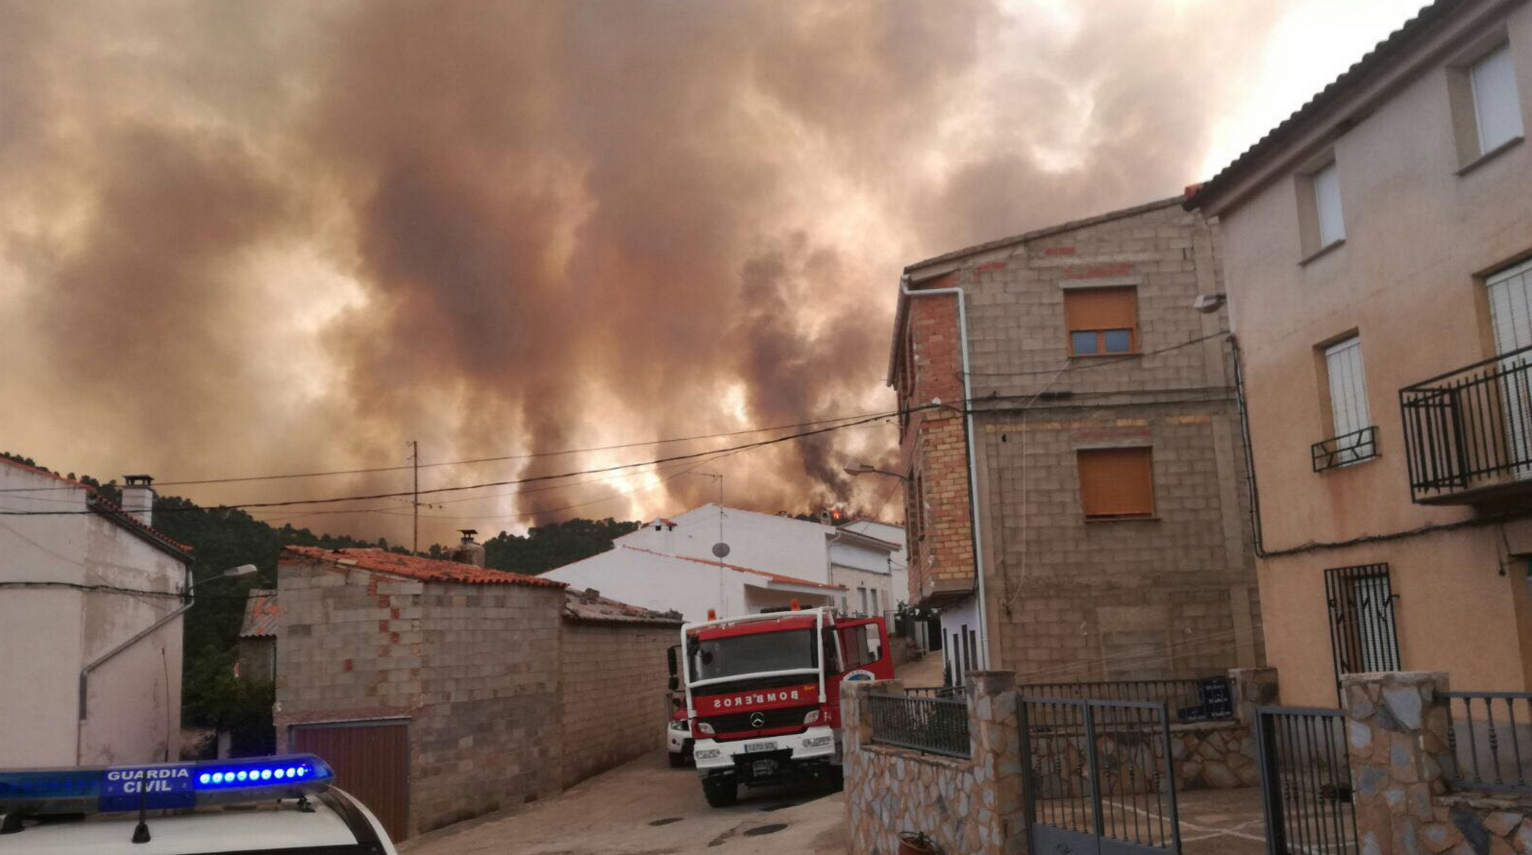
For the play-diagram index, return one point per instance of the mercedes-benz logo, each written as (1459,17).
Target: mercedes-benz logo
(757,721)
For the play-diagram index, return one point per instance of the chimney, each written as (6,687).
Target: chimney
(138,498)
(469,552)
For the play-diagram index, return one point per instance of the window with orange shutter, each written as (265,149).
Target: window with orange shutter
(1116,483)
(1101,321)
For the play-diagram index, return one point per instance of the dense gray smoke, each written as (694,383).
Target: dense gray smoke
(281,236)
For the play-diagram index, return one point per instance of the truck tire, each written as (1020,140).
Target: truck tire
(677,759)
(720,791)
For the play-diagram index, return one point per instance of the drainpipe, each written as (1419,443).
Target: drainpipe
(79,733)
(973,465)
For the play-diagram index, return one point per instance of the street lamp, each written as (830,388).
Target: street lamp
(866,469)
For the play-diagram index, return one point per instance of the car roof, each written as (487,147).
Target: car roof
(262,827)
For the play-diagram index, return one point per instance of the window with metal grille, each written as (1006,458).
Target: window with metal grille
(1354,438)
(1101,321)
(1362,628)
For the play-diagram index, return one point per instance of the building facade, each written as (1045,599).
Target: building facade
(772,559)
(1106,534)
(91,598)
(441,691)
(1376,249)
(691,587)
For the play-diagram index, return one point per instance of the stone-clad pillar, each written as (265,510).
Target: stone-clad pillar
(1253,688)
(996,750)
(1396,734)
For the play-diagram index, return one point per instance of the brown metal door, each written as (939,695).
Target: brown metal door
(371,762)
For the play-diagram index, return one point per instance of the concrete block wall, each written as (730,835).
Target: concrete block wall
(1074,599)
(613,689)
(1175,596)
(474,669)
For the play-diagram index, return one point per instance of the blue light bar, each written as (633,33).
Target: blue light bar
(166,786)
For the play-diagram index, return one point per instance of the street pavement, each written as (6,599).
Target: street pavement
(647,808)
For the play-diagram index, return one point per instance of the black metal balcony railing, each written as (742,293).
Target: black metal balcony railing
(1346,449)
(1470,429)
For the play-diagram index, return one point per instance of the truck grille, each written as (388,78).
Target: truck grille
(733,723)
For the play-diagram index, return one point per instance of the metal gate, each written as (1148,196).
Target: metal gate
(1099,779)
(1306,781)
(371,762)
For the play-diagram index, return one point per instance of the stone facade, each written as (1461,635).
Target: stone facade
(1401,760)
(1070,598)
(966,806)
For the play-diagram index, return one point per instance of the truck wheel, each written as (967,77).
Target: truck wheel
(677,759)
(720,792)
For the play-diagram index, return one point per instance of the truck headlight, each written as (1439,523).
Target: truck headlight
(704,727)
(812,717)
(707,754)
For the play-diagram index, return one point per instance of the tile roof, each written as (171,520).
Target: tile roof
(590,607)
(109,509)
(1381,53)
(775,577)
(261,612)
(415,567)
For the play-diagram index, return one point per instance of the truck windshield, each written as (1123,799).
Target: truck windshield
(740,655)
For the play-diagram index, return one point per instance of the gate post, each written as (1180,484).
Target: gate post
(996,736)
(1396,733)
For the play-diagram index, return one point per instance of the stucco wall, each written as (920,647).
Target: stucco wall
(612,694)
(134,700)
(1409,281)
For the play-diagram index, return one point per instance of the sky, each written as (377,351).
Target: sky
(268,238)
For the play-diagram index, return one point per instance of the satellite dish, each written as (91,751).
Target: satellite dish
(720,550)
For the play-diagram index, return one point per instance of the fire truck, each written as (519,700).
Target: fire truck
(763,694)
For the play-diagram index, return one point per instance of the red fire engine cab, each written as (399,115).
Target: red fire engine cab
(763,694)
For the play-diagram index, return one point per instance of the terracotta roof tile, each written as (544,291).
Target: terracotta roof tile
(105,507)
(414,567)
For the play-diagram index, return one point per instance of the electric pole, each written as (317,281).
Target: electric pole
(415,496)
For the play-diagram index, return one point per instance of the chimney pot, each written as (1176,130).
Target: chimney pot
(138,498)
(469,552)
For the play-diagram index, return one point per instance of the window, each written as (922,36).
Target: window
(1101,321)
(1116,483)
(1327,206)
(863,592)
(1350,418)
(1497,110)
(877,607)
(1362,632)
(862,645)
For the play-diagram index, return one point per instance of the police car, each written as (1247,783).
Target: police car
(279,804)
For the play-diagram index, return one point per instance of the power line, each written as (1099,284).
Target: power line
(475,460)
(1100,363)
(503,483)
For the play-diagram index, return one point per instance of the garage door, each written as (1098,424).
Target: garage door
(371,762)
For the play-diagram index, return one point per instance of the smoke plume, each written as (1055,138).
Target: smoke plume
(244,238)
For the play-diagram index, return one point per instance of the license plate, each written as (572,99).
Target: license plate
(760,746)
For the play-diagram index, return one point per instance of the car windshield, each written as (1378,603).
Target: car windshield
(740,655)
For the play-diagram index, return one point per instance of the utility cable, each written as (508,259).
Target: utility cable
(503,483)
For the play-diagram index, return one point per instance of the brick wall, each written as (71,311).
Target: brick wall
(1067,599)
(473,667)
(937,505)
(613,694)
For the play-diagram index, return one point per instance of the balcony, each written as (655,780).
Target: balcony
(1468,433)
(1346,449)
